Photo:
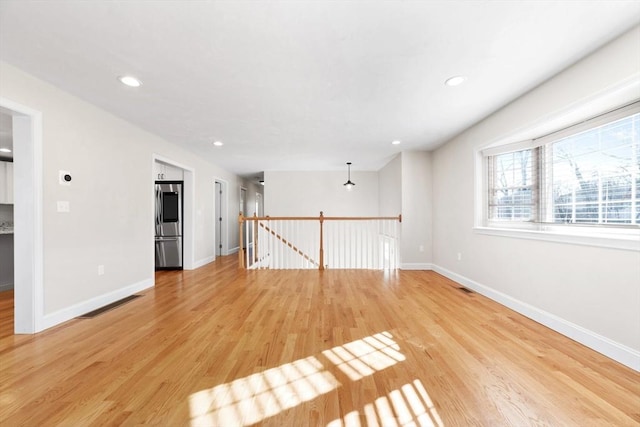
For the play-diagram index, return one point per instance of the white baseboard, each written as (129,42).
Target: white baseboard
(203,261)
(614,350)
(416,266)
(83,307)
(233,250)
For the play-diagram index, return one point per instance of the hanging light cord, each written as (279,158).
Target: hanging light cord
(349,184)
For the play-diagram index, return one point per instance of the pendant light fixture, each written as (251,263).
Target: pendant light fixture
(349,185)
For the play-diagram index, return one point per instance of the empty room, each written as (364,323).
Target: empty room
(319,213)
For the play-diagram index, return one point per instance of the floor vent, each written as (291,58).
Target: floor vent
(94,313)
(469,291)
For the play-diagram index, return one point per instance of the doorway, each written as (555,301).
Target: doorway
(185,174)
(28,300)
(259,205)
(220,209)
(218,218)
(243,201)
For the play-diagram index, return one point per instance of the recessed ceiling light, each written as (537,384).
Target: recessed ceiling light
(5,150)
(130,81)
(218,143)
(455,81)
(396,142)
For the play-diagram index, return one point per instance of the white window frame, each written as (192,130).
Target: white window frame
(615,237)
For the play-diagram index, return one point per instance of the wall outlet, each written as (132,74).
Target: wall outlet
(459,256)
(63,206)
(100,270)
(421,248)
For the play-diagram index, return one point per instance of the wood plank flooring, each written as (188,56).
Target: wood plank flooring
(222,347)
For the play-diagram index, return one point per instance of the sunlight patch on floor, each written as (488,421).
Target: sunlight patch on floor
(251,399)
(364,357)
(405,407)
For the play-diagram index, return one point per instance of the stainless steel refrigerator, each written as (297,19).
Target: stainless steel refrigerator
(169,225)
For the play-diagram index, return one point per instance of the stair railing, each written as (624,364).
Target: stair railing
(319,242)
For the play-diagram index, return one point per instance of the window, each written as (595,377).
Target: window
(587,174)
(513,186)
(594,175)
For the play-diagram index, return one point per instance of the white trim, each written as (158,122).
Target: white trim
(152,226)
(590,122)
(416,266)
(6,287)
(614,96)
(28,222)
(233,250)
(508,148)
(611,241)
(159,158)
(189,192)
(575,118)
(83,307)
(224,211)
(189,227)
(565,128)
(614,350)
(203,262)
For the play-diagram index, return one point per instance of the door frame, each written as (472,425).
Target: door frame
(224,212)
(28,218)
(188,218)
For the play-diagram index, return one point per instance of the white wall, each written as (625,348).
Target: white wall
(308,193)
(589,293)
(402,186)
(390,188)
(111,217)
(417,243)
(252,189)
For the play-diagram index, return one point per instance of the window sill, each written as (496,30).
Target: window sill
(614,239)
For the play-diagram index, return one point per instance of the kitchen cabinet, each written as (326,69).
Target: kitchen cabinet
(6,183)
(165,172)
(6,262)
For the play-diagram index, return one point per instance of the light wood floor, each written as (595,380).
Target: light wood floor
(218,346)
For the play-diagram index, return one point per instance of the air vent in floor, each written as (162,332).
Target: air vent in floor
(469,291)
(108,307)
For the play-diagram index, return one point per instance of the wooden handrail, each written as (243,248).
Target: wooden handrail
(321,219)
(317,218)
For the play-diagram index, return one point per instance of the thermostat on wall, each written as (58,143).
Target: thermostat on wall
(64,177)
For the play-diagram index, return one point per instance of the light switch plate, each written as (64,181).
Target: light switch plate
(63,206)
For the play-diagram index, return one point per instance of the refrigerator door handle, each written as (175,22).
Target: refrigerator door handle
(158,205)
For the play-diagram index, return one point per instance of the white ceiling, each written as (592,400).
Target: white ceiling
(304,85)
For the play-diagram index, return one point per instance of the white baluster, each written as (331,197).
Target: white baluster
(246,237)
(279,243)
(372,245)
(271,247)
